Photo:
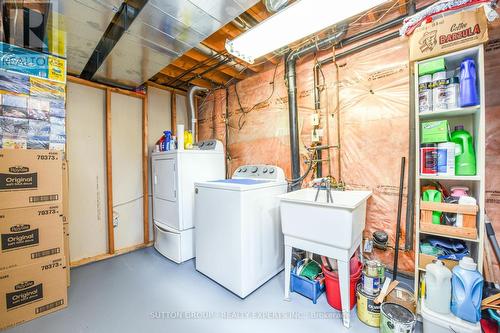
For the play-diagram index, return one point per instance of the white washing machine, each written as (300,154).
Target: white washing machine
(173,176)
(238,238)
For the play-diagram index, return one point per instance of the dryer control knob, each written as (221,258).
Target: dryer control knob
(244,170)
(271,170)
(264,170)
(254,169)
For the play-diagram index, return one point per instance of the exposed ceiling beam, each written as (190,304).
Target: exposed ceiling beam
(187,63)
(165,79)
(226,69)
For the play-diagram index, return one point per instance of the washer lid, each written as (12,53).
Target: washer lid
(239,184)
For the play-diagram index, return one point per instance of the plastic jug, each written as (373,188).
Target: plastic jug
(438,287)
(434,196)
(465,157)
(188,140)
(468,88)
(467,291)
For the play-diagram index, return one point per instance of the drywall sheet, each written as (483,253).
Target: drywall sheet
(126,143)
(86,154)
(159,114)
(181,111)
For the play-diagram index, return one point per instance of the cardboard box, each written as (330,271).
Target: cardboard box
(451,33)
(30,178)
(65,192)
(32,291)
(435,131)
(66,253)
(425,259)
(30,235)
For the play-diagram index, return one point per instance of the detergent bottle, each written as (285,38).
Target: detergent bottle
(438,287)
(434,196)
(468,88)
(465,157)
(467,285)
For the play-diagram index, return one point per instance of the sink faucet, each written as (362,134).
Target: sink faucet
(324,184)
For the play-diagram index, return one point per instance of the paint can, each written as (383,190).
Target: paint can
(371,284)
(395,318)
(368,312)
(403,297)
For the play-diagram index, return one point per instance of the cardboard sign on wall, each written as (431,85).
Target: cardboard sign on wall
(448,34)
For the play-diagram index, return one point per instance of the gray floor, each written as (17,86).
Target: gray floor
(142,291)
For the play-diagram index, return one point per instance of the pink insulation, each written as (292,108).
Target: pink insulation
(374,126)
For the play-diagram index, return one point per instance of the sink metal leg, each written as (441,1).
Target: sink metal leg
(344,283)
(288,266)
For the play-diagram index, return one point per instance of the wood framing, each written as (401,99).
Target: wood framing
(92,84)
(104,256)
(145,170)
(166,88)
(109,176)
(173,113)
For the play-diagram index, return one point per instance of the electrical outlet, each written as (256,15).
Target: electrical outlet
(115,219)
(315,119)
(315,137)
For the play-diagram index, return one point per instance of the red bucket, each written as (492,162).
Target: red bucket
(333,288)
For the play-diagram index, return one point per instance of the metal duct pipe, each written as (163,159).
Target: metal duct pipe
(291,78)
(191,112)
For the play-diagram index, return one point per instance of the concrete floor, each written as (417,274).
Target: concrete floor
(143,291)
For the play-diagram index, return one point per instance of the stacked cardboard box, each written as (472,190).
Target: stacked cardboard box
(65,217)
(32,262)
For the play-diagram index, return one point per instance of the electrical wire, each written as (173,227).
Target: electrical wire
(243,113)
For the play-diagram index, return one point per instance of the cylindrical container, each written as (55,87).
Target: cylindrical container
(371,268)
(368,312)
(428,159)
(371,284)
(453,93)
(403,297)
(395,318)
(439,86)
(446,159)
(425,93)
(180,137)
(333,287)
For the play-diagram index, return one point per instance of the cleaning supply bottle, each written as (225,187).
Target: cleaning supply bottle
(188,140)
(467,290)
(468,87)
(465,157)
(438,287)
(434,196)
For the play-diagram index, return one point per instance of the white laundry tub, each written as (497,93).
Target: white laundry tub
(338,224)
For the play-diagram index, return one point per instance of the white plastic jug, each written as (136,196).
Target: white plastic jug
(438,287)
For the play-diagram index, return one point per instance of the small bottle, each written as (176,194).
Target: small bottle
(439,86)
(453,93)
(425,93)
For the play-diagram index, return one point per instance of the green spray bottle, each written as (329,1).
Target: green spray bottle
(465,157)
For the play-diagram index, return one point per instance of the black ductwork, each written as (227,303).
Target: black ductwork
(120,23)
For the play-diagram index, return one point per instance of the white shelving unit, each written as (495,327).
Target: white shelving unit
(473,119)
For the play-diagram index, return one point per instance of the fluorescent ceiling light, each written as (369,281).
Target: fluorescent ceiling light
(296,21)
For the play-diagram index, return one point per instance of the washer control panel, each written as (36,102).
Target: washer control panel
(260,171)
(211,144)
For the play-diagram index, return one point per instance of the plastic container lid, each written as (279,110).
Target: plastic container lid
(467,263)
(439,76)
(425,79)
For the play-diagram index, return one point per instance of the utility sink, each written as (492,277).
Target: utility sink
(337,224)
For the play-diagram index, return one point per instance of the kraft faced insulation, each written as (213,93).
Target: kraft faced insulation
(374,127)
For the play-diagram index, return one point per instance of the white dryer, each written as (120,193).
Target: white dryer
(238,237)
(174,174)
